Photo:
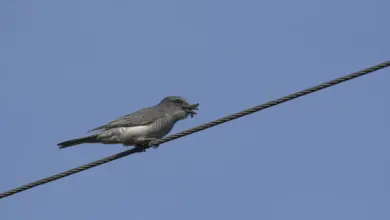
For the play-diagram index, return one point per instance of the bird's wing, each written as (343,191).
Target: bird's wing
(142,117)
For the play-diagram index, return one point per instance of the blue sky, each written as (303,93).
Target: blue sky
(69,66)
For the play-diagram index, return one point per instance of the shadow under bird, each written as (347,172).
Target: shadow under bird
(141,127)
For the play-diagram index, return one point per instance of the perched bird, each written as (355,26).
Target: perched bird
(141,127)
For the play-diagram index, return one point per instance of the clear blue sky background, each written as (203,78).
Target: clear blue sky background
(69,66)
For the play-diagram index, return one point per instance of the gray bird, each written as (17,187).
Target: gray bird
(142,126)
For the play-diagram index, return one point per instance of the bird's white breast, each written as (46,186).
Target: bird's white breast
(136,130)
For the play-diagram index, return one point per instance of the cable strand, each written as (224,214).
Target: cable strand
(197,128)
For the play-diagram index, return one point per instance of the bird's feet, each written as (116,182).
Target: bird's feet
(146,142)
(150,141)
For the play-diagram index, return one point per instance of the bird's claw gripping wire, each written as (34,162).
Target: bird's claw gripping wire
(149,142)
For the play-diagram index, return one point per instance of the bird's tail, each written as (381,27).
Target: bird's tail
(77,141)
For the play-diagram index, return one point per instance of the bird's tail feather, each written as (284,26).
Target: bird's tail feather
(95,129)
(77,141)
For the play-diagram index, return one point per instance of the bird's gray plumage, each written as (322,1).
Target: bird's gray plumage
(142,126)
(141,117)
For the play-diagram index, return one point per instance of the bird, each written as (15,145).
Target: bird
(142,127)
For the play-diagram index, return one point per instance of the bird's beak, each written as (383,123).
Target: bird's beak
(191,109)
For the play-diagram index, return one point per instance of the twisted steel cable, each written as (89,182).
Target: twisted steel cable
(197,129)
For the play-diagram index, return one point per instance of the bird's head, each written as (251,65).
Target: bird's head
(180,106)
